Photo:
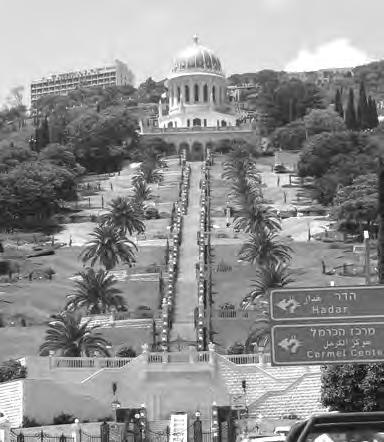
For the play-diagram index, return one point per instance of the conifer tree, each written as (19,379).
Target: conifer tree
(44,134)
(362,109)
(339,104)
(372,112)
(350,113)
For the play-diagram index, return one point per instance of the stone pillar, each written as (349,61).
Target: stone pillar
(201,91)
(5,430)
(76,431)
(192,353)
(212,353)
(145,348)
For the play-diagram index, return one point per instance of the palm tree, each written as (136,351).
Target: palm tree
(264,248)
(268,278)
(252,217)
(125,215)
(141,193)
(71,339)
(95,292)
(259,335)
(148,174)
(109,246)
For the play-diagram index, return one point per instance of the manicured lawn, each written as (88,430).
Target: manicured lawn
(38,299)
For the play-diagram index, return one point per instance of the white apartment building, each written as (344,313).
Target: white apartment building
(60,84)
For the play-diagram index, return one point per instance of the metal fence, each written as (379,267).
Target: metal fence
(41,436)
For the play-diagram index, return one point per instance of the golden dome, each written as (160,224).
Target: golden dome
(197,58)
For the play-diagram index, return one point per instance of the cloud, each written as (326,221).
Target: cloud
(337,53)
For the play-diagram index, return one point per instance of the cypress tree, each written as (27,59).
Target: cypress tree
(362,109)
(350,113)
(44,134)
(380,207)
(372,112)
(339,104)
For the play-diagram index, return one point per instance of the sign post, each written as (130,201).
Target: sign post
(327,325)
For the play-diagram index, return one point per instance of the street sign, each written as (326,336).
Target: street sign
(238,401)
(327,303)
(327,343)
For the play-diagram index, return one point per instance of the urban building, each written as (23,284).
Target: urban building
(197,109)
(117,74)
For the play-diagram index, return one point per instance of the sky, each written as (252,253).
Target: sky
(42,37)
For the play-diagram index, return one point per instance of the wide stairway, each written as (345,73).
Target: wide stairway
(186,285)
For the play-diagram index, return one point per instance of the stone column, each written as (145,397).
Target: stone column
(5,430)
(192,353)
(212,353)
(201,91)
(76,431)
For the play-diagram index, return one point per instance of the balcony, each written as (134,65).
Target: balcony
(213,129)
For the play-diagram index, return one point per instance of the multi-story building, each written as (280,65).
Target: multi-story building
(60,84)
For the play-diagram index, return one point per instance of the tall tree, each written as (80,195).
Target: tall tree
(125,215)
(66,336)
(339,103)
(362,109)
(372,111)
(109,246)
(96,292)
(350,113)
(380,244)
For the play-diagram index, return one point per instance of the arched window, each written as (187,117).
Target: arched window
(214,94)
(188,123)
(196,122)
(223,123)
(170,124)
(178,94)
(205,93)
(196,91)
(186,93)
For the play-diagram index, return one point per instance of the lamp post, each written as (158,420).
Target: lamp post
(367,258)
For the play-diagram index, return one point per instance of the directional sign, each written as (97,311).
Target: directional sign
(327,343)
(327,303)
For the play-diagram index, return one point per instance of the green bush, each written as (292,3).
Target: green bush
(11,370)
(63,418)
(30,422)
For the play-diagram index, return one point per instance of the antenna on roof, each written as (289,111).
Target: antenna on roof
(196,39)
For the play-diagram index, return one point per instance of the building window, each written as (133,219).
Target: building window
(214,94)
(196,90)
(178,94)
(196,122)
(170,124)
(223,123)
(205,93)
(188,123)
(186,93)
(205,122)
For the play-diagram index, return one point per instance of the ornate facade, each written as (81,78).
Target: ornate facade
(197,91)
(196,112)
